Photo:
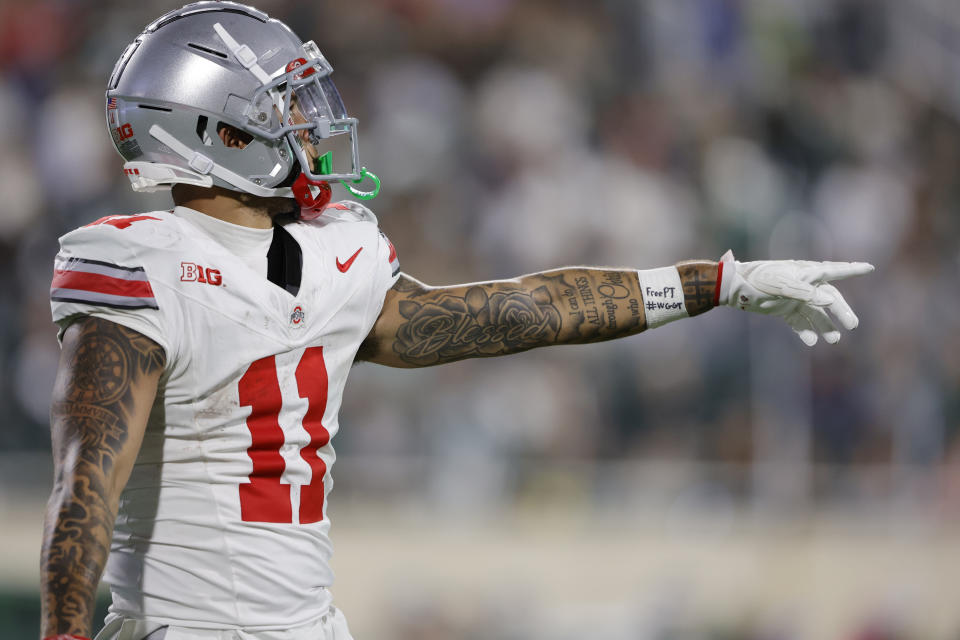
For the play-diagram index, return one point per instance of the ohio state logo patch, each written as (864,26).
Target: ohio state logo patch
(297,317)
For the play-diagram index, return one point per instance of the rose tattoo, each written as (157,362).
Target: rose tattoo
(476,324)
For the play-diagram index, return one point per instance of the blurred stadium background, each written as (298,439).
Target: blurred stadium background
(711,480)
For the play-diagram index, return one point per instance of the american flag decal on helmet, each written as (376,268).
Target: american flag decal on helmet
(101,284)
(111,103)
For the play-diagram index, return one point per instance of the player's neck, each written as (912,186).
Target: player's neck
(229,206)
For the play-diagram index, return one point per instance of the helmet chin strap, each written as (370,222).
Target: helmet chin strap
(201,166)
(311,206)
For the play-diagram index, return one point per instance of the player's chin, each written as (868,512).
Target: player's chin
(273,207)
(277,207)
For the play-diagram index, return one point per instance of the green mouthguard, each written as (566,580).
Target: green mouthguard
(324,165)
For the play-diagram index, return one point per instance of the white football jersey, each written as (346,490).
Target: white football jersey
(223,521)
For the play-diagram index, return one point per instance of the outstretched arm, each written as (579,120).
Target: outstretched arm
(105,389)
(423,326)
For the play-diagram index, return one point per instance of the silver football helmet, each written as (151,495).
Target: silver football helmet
(216,63)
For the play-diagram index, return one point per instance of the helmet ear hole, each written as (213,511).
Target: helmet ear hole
(232,137)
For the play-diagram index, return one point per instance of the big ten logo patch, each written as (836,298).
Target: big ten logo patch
(124,131)
(191,272)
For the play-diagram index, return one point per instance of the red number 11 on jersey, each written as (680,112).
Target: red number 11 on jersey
(265,498)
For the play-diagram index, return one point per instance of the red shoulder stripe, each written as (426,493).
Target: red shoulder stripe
(120,222)
(101,284)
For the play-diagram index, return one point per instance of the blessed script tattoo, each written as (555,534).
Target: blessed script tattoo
(482,320)
(101,366)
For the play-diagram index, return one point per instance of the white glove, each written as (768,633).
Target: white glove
(796,290)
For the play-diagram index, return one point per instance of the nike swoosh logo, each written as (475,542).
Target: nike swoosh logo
(346,265)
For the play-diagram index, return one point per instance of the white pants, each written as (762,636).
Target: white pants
(332,626)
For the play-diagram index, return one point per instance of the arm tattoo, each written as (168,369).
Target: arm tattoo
(600,304)
(699,280)
(92,406)
(567,306)
(425,326)
(482,320)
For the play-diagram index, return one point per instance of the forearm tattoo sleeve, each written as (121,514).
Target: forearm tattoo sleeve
(567,306)
(93,404)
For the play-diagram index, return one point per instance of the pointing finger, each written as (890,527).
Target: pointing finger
(827,271)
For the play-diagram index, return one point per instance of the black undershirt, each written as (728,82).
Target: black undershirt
(284,261)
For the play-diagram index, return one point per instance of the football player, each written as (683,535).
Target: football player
(205,348)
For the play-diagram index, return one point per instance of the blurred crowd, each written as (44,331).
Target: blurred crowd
(514,136)
(518,135)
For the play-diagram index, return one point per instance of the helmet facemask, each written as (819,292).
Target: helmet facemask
(301,105)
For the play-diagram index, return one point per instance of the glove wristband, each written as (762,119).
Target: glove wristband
(66,636)
(726,265)
(662,292)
